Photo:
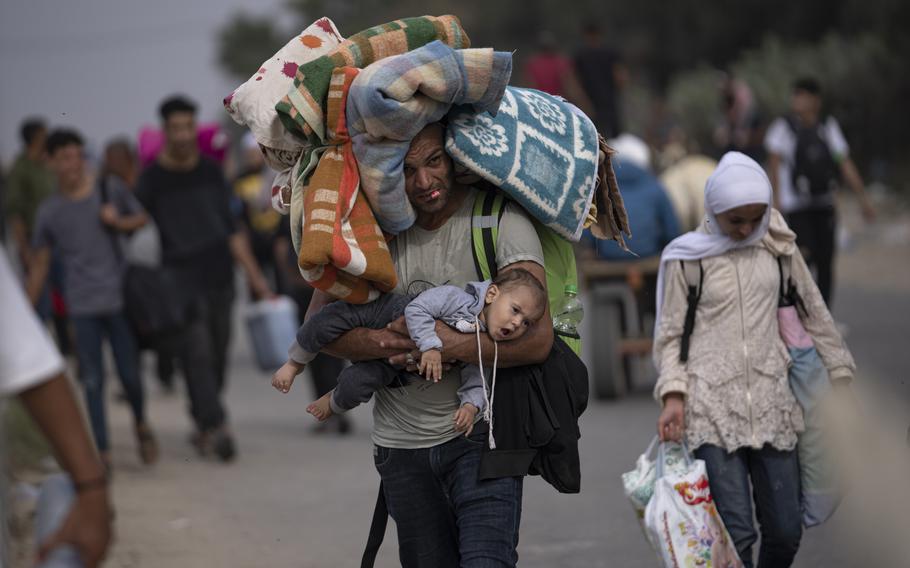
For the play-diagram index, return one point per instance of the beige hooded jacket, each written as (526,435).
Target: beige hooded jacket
(735,382)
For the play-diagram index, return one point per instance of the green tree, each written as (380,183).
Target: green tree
(245,42)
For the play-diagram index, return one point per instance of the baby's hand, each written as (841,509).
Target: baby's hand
(464,418)
(284,377)
(431,365)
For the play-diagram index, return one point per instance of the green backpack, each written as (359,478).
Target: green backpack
(558,254)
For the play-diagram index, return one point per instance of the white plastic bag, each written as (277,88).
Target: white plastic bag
(682,522)
(638,484)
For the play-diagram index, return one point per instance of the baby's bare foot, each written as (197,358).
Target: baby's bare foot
(321,409)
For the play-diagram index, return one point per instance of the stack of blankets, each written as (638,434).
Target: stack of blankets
(336,118)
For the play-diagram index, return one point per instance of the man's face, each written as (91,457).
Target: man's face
(428,172)
(68,164)
(805,103)
(39,140)
(119,161)
(180,132)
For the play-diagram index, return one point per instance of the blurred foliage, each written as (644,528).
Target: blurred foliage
(861,82)
(659,38)
(672,49)
(245,42)
(694,100)
(24,445)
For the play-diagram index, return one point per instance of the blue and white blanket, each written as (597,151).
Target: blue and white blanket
(539,149)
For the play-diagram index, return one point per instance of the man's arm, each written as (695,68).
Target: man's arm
(37,273)
(88,524)
(773,171)
(122,223)
(363,344)
(532,348)
(20,238)
(243,254)
(855,181)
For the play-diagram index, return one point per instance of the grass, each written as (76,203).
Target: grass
(24,443)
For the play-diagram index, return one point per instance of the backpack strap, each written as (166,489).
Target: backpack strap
(106,198)
(692,298)
(489,207)
(789,295)
(377,530)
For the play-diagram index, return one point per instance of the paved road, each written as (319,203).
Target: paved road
(297,499)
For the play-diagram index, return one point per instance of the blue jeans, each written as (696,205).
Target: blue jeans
(90,332)
(774,478)
(445,516)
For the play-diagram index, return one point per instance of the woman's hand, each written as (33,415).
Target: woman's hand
(672,422)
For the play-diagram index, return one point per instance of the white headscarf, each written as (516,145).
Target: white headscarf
(737,181)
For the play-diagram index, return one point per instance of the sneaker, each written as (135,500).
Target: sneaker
(200,441)
(147,445)
(223,445)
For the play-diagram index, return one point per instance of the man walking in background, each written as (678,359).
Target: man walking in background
(80,224)
(808,157)
(190,201)
(602,75)
(30,181)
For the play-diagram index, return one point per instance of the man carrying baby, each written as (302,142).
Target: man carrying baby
(503,309)
(445,515)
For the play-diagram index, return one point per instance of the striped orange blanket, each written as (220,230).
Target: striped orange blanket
(342,250)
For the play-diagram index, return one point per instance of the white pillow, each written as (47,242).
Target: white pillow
(252,104)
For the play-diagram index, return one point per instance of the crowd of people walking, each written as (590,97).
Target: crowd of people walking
(726,233)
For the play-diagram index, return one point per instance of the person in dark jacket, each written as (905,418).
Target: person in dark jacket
(654,222)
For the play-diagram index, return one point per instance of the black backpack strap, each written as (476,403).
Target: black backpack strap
(377,530)
(783,291)
(692,298)
(789,295)
(105,192)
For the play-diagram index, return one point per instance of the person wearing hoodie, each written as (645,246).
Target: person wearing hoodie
(729,395)
(653,219)
(503,308)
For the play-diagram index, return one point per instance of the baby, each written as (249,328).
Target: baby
(504,309)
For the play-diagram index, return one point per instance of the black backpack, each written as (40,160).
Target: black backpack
(151,301)
(552,395)
(815,173)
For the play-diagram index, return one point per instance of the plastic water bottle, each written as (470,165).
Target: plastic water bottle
(569,313)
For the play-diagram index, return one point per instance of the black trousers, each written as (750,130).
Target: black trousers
(816,230)
(200,346)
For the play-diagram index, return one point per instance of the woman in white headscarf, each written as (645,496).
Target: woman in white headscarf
(727,391)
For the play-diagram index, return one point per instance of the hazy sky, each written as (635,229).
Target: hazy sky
(103,66)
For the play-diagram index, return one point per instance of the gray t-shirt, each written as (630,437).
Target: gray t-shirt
(92,268)
(420,415)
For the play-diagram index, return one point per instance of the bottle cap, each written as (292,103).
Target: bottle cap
(571,289)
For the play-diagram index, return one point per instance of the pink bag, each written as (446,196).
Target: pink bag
(211,139)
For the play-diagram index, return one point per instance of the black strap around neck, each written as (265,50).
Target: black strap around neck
(692,299)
